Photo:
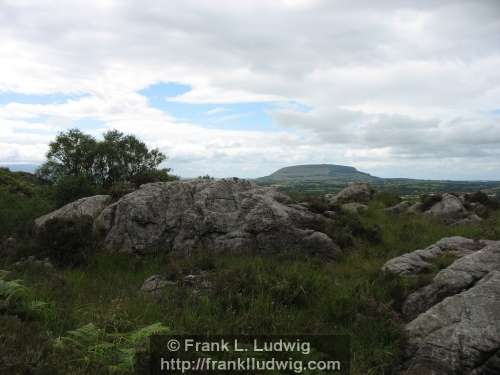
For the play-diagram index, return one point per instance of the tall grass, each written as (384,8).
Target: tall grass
(249,294)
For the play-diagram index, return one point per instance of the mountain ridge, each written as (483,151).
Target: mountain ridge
(318,172)
(322,178)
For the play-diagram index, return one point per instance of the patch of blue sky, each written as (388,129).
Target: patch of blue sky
(89,124)
(7,97)
(236,116)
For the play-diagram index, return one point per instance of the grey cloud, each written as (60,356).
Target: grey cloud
(413,78)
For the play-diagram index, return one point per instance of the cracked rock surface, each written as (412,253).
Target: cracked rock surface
(454,322)
(214,215)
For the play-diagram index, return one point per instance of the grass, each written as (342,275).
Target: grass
(247,295)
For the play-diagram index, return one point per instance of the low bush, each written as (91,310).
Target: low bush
(66,242)
(71,188)
(120,189)
(484,199)
(153,175)
(386,198)
(429,200)
(90,346)
(348,228)
(16,299)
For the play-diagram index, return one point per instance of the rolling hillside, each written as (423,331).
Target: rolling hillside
(328,178)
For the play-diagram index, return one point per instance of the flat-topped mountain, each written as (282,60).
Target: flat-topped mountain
(328,178)
(318,173)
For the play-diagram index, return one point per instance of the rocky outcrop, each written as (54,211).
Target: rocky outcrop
(214,215)
(90,207)
(454,209)
(223,215)
(454,323)
(421,260)
(450,207)
(357,192)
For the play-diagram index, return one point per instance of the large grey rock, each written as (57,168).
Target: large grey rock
(358,192)
(450,207)
(222,215)
(460,334)
(454,322)
(421,260)
(91,207)
(457,277)
(155,284)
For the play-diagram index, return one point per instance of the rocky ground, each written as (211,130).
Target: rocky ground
(454,321)
(199,255)
(182,216)
(453,209)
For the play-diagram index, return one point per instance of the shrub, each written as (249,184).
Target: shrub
(71,188)
(153,175)
(25,348)
(16,299)
(484,199)
(387,199)
(120,189)
(429,200)
(348,227)
(66,242)
(90,345)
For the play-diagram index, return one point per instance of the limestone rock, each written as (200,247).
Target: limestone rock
(358,192)
(449,207)
(460,334)
(217,215)
(91,206)
(454,323)
(155,284)
(421,260)
(457,277)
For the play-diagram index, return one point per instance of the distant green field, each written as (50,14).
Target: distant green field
(326,178)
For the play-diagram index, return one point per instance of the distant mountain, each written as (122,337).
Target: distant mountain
(328,178)
(31,168)
(320,173)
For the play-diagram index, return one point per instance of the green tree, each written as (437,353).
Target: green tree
(117,159)
(71,154)
(120,157)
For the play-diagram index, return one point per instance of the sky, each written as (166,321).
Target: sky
(242,88)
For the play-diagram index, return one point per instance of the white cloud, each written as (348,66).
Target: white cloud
(389,83)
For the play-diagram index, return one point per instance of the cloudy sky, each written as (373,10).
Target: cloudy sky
(395,88)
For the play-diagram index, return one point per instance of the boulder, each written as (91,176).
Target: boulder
(453,323)
(155,284)
(450,207)
(459,335)
(90,207)
(358,192)
(216,215)
(459,276)
(421,260)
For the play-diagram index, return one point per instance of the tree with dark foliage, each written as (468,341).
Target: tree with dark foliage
(77,161)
